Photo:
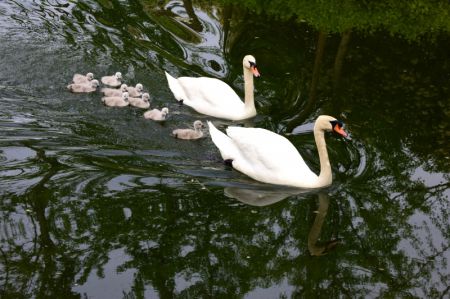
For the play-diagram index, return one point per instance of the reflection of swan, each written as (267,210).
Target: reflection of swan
(261,196)
(213,97)
(271,158)
(314,232)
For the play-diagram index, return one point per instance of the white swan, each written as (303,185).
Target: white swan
(213,97)
(189,133)
(271,158)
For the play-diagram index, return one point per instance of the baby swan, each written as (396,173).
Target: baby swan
(113,92)
(189,133)
(121,101)
(113,81)
(136,91)
(83,87)
(143,102)
(157,115)
(79,78)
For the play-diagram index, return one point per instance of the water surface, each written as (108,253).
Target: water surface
(98,202)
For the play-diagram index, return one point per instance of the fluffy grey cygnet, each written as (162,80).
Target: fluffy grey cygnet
(114,80)
(189,133)
(136,91)
(79,78)
(143,102)
(121,101)
(83,87)
(157,115)
(114,92)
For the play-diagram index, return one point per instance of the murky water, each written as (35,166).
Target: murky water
(98,202)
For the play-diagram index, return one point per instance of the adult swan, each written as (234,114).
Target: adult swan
(271,158)
(213,97)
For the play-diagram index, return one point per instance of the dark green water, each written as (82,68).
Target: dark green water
(99,203)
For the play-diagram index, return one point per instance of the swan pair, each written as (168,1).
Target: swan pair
(261,154)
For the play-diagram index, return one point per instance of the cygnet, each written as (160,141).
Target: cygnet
(114,92)
(84,87)
(157,115)
(121,101)
(136,91)
(143,102)
(114,80)
(79,78)
(189,133)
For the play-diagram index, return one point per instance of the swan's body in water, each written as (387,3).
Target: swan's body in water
(189,133)
(83,87)
(271,158)
(80,79)
(213,97)
(113,81)
(114,92)
(121,101)
(157,115)
(143,102)
(136,91)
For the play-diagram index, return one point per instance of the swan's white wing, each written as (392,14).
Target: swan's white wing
(268,157)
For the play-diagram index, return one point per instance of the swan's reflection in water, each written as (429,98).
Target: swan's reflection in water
(269,195)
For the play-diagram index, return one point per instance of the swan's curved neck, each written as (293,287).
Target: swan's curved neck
(325,176)
(248,87)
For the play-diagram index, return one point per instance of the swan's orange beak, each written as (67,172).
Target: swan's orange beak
(255,71)
(338,129)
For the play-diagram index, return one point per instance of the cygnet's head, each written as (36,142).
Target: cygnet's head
(123,88)
(146,97)
(94,83)
(164,111)
(118,75)
(198,124)
(139,87)
(249,62)
(125,96)
(90,76)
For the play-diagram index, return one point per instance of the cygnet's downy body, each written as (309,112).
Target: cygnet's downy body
(114,92)
(121,101)
(189,133)
(143,102)
(114,80)
(84,87)
(157,115)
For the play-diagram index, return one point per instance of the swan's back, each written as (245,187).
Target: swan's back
(268,157)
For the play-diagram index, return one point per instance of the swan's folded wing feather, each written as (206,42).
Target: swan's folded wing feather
(266,156)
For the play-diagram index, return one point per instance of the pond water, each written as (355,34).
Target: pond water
(98,202)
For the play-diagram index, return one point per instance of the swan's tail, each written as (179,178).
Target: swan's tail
(224,143)
(175,87)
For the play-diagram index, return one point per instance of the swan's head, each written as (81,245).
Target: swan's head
(125,96)
(329,123)
(95,83)
(249,62)
(164,112)
(123,88)
(90,76)
(139,87)
(118,75)
(198,124)
(146,97)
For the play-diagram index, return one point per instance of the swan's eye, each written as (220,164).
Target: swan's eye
(252,64)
